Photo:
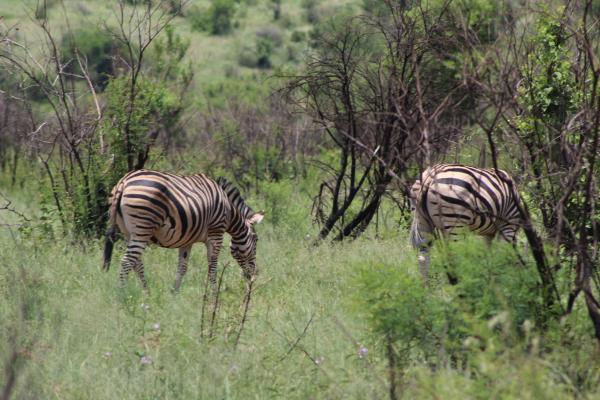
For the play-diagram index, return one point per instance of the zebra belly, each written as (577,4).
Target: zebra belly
(169,237)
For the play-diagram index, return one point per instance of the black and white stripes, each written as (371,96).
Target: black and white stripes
(453,196)
(176,211)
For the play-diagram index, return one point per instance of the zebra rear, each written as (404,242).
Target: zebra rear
(452,196)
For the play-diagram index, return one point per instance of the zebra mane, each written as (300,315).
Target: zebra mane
(235,197)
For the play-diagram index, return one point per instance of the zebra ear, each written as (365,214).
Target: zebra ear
(256,218)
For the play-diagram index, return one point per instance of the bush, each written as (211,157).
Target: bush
(95,47)
(493,307)
(311,10)
(298,36)
(490,280)
(217,19)
(260,53)
(398,307)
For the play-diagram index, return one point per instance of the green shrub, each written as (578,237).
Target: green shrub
(494,306)
(216,19)
(94,47)
(491,280)
(298,36)
(260,53)
(397,305)
(154,104)
(311,10)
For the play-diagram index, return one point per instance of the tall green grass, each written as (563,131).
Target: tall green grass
(80,336)
(89,336)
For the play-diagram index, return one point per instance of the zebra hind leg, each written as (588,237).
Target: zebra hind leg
(133,260)
(139,269)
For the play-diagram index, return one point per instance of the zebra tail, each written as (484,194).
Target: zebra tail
(416,239)
(111,236)
(111,232)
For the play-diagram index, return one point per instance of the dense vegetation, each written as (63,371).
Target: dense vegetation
(322,113)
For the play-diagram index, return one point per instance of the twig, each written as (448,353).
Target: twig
(298,339)
(7,207)
(246,305)
(204,298)
(216,305)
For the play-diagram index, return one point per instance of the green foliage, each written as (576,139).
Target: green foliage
(495,304)
(483,18)
(311,10)
(95,47)
(490,280)
(216,19)
(167,58)
(397,305)
(549,89)
(153,105)
(259,54)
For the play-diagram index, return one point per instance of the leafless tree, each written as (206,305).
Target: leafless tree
(373,86)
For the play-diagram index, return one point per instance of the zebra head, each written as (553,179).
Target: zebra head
(243,248)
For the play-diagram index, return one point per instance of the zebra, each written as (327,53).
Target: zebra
(175,211)
(453,196)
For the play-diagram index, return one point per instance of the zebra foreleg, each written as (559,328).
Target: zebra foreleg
(184,255)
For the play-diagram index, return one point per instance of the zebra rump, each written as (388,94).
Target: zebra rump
(453,196)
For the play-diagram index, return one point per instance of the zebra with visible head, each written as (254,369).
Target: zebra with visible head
(176,211)
(452,196)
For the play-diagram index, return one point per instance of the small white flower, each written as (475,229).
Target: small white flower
(156,326)
(108,354)
(146,360)
(319,360)
(145,306)
(363,352)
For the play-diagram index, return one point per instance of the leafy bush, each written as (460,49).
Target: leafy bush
(94,47)
(494,306)
(259,54)
(154,105)
(311,10)
(216,19)
(298,36)
(490,280)
(398,307)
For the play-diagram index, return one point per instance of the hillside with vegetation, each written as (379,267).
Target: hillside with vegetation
(323,114)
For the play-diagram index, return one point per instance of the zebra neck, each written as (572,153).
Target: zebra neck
(238,229)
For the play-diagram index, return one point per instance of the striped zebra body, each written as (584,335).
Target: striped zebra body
(176,211)
(449,197)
